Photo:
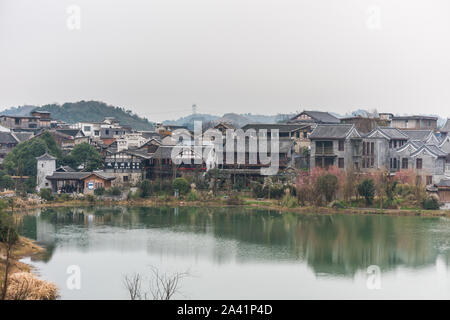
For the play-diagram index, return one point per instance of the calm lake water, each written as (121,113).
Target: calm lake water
(235,253)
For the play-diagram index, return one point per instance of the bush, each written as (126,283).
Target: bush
(326,186)
(430,203)
(192,196)
(366,189)
(146,188)
(5,224)
(114,191)
(46,194)
(338,204)
(181,185)
(234,200)
(99,191)
(289,201)
(276,191)
(90,198)
(257,189)
(64,197)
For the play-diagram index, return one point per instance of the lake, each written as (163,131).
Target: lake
(237,253)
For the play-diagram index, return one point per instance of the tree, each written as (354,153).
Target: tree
(181,185)
(8,239)
(366,189)
(23,157)
(86,155)
(327,185)
(146,188)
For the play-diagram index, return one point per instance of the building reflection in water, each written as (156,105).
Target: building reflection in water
(329,244)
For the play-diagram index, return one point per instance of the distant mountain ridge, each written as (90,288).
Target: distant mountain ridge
(86,111)
(237,120)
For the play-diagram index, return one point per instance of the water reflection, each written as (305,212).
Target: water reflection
(338,245)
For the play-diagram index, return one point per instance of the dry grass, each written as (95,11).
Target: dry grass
(23,285)
(26,286)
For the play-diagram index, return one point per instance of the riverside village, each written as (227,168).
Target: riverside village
(254,182)
(46,159)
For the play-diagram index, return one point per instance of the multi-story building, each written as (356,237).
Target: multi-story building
(414,122)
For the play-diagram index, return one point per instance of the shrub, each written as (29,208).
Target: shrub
(192,196)
(326,186)
(146,188)
(99,191)
(90,198)
(64,197)
(5,224)
(430,203)
(257,189)
(276,191)
(366,189)
(46,194)
(234,200)
(115,191)
(181,185)
(289,201)
(339,204)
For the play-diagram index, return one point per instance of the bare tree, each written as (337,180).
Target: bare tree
(162,286)
(8,244)
(133,284)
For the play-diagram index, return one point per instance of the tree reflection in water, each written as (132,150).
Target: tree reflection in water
(329,244)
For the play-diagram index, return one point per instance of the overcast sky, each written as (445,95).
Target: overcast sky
(158,57)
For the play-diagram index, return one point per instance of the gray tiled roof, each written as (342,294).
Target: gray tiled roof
(68,175)
(163,152)
(7,137)
(282,127)
(318,116)
(78,175)
(392,133)
(23,136)
(443,183)
(331,131)
(436,150)
(46,156)
(421,135)
(446,127)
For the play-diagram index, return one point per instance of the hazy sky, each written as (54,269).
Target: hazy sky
(158,57)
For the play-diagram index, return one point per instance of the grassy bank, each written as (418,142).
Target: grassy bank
(269,204)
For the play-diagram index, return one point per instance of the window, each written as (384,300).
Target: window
(305,135)
(107,132)
(96,132)
(404,163)
(125,178)
(429,180)
(418,163)
(341,163)
(341,145)
(87,128)
(17,121)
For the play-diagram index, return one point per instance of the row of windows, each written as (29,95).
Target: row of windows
(133,165)
(396,144)
(396,164)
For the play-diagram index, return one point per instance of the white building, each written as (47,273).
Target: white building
(46,165)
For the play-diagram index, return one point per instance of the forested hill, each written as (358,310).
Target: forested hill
(92,111)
